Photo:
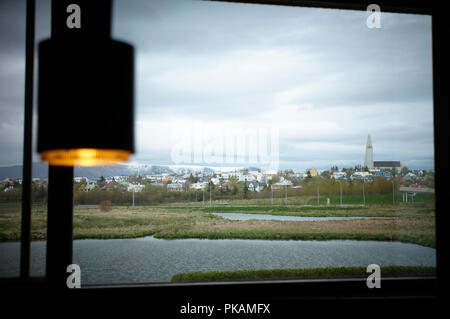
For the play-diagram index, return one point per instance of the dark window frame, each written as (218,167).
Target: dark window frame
(286,293)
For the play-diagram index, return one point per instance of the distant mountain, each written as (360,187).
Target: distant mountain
(207,170)
(155,169)
(182,170)
(105,171)
(40,170)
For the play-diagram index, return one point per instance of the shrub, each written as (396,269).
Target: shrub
(105,206)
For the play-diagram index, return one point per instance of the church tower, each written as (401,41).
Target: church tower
(368,161)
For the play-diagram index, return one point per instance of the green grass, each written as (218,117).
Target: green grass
(136,234)
(371,199)
(347,199)
(309,211)
(326,211)
(306,273)
(420,240)
(279,209)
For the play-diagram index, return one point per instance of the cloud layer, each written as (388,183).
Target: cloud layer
(321,77)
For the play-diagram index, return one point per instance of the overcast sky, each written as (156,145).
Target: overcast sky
(320,79)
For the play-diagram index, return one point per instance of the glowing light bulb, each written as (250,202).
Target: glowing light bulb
(84,157)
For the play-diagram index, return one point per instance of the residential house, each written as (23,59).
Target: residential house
(110,186)
(136,188)
(175,187)
(339,175)
(90,185)
(215,181)
(361,176)
(253,186)
(282,183)
(199,185)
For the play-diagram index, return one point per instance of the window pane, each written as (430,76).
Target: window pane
(272,143)
(12,64)
(12,79)
(253,127)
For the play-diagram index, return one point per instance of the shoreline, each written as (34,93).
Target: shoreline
(413,224)
(430,243)
(301,273)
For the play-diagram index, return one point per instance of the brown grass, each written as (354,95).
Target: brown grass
(417,226)
(139,221)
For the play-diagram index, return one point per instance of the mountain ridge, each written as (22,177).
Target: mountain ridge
(40,170)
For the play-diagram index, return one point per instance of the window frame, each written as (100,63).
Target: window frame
(288,292)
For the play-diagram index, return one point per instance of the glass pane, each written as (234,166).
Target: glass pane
(12,79)
(12,57)
(273,142)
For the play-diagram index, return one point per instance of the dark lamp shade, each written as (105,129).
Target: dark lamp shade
(85,102)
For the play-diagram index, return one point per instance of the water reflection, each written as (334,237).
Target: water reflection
(238,216)
(156,260)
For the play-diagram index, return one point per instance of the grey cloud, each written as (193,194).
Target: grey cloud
(374,81)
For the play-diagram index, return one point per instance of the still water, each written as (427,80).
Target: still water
(149,259)
(238,216)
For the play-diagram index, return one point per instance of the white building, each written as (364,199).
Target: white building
(282,183)
(90,185)
(178,181)
(137,188)
(380,165)
(247,177)
(361,175)
(368,160)
(338,175)
(271,172)
(253,187)
(175,187)
(199,185)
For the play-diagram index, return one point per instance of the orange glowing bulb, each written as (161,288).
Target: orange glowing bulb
(84,157)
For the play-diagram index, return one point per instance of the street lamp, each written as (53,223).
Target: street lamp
(364,194)
(84,76)
(271,190)
(393,193)
(318,194)
(285,195)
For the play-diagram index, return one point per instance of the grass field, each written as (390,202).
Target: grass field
(413,223)
(308,273)
(371,199)
(386,199)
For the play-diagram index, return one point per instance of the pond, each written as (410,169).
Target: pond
(149,259)
(242,216)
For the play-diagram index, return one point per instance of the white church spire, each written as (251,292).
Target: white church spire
(368,161)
